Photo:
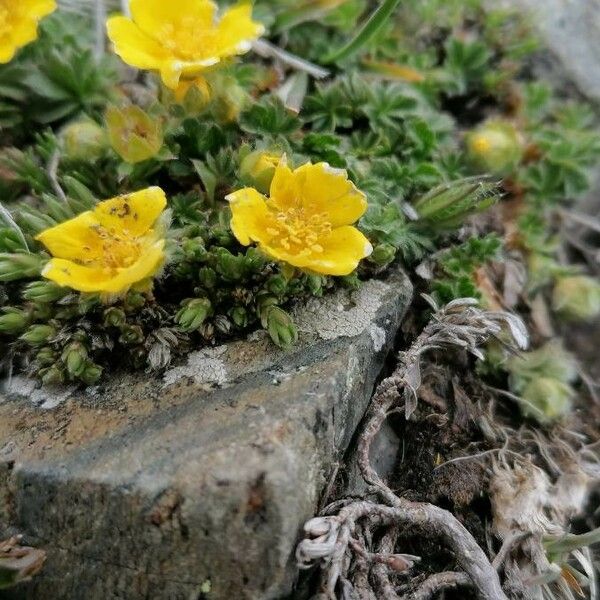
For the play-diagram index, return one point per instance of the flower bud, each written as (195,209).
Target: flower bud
(19,266)
(228,265)
(84,140)
(194,313)
(239,315)
(495,147)
(546,399)
(207,278)
(74,357)
(277,284)
(44,291)
(134,135)
(258,168)
(448,205)
(52,375)
(222,324)
(46,356)
(315,284)
(91,373)
(193,94)
(114,317)
(577,298)
(194,249)
(383,255)
(13,321)
(38,335)
(281,328)
(134,301)
(229,99)
(131,335)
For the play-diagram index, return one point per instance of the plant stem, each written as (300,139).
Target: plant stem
(366,33)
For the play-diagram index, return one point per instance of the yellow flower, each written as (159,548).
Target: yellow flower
(134,135)
(307,221)
(18,24)
(109,249)
(181,38)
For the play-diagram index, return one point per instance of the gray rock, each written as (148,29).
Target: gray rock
(570,29)
(194,485)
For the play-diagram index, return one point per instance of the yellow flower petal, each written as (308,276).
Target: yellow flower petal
(325,189)
(152,15)
(133,214)
(38,8)
(283,192)
(76,239)
(342,251)
(99,279)
(250,219)
(237,30)
(134,46)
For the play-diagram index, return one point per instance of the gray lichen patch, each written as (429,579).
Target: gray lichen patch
(205,367)
(343,314)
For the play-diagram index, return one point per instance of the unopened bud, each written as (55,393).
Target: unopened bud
(46,356)
(281,328)
(495,147)
(383,255)
(114,317)
(38,335)
(193,94)
(577,298)
(91,374)
(239,315)
(194,249)
(19,266)
(52,375)
(546,399)
(258,169)
(207,278)
(74,357)
(84,140)
(13,321)
(44,291)
(193,314)
(277,284)
(131,335)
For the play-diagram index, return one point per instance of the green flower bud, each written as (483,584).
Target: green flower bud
(258,169)
(46,356)
(84,140)
(315,284)
(193,94)
(52,375)
(277,284)
(44,291)
(91,374)
(448,205)
(239,315)
(114,317)
(229,266)
(20,266)
(229,99)
(133,302)
(131,335)
(281,328)
(134,135)
(495,147)
(546,399)
(254,260)
(577,298)
(207,278)
(264,301)
(74,357)
(383,255)
(193,313)
(13,321)
(194,249)
(38,335)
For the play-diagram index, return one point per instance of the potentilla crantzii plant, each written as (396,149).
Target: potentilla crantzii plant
(242,176)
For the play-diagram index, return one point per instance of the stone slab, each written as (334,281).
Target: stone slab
(194,485)
(570,30)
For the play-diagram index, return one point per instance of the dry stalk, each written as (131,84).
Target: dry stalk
(330,540)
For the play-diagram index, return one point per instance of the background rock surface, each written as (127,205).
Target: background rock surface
(196,485)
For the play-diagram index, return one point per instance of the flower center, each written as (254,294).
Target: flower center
(188,39)
(119,250)
(299,232)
